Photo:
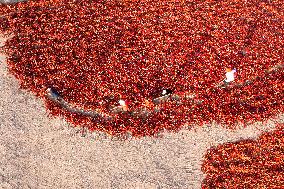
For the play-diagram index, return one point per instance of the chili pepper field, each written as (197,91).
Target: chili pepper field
(246,163)
(132,94)
(96,53)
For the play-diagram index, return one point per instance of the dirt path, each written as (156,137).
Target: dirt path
(41,152)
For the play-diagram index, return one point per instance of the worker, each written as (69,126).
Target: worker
(53,93)
(148,104)
(166,92)
(230,75)
(123,105)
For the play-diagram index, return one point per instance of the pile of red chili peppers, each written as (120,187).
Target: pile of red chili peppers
(247,164)
(95,53)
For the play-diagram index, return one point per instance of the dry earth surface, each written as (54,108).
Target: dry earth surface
(38,151)
(10,1)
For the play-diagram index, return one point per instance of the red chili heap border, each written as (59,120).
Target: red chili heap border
(247,164)
(164,62)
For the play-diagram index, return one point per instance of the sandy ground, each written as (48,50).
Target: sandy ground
(10,1)
(37,151)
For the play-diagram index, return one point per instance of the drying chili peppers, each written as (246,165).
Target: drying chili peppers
(247,163)
(96,53)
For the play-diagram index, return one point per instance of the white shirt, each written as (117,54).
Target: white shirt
(122,103)
(230,75)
